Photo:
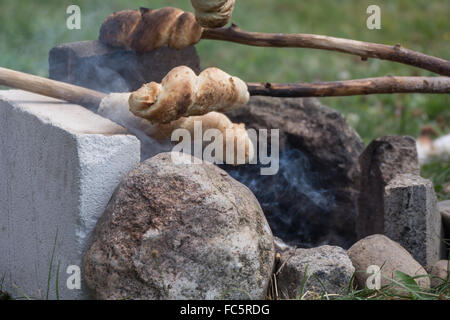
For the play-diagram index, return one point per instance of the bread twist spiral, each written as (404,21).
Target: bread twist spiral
(146,30)
(213,13)
(233,135)
(182,93)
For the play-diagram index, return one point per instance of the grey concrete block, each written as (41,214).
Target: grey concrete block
(412,218)
(382,160)
(59,165)
(94,65)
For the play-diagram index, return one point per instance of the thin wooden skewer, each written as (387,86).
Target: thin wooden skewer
(363,49)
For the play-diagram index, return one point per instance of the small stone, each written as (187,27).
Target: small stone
(277,257)
(325,269)
(390,256)
(440,273)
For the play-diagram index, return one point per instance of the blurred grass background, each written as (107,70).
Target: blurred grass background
(29,29)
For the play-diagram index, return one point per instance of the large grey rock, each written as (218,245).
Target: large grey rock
(325,269)
(440,273)
(444,209)
(388,255)
(94,65)
(180,231)
(381,161)
(316,190)
(59,166)
(412,218)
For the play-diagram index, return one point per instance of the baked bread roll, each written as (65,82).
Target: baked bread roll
(146,30)
(182,94)
(115,107)
(213,13)
(233,135)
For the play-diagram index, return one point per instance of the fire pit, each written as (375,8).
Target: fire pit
(195,231)
(311,200)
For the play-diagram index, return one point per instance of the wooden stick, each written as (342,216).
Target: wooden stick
(50,88)
(363,49)
(388,84)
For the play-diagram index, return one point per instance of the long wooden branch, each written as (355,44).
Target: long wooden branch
(50,88)
(363,49)
(388,84)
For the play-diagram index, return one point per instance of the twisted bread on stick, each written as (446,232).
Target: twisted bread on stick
(115,107)
(213,13)
(146,30)
(182,93)
(233,135)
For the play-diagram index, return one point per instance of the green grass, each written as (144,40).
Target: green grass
(24,296)
(400,287)
(29,28)
(439,173)
(403,287)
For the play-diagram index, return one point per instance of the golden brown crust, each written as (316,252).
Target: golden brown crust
(233,135)
(185,32)
(182,93)
(166,102)
(118,27)
(115,107)
(146,30)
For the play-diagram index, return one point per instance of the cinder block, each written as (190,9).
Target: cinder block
(94,65)
(59,165)
(412,217)
(381,161)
